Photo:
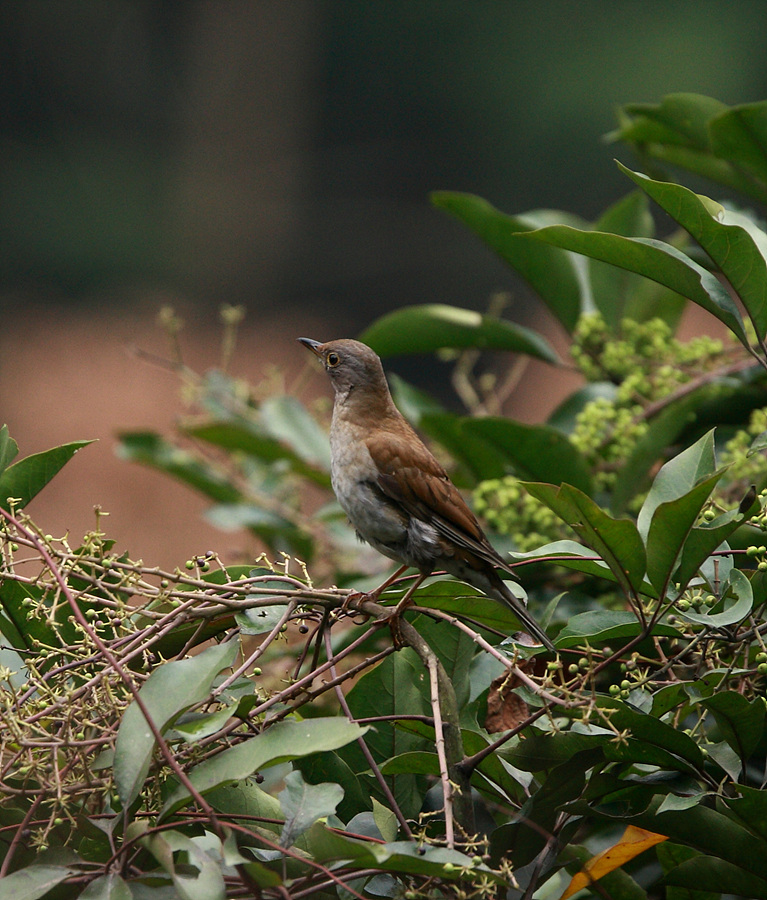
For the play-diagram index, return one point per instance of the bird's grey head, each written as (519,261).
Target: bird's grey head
(352,366)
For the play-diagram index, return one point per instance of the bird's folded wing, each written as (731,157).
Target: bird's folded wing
(411,476)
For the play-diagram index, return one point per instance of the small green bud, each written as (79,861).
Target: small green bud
(762,668)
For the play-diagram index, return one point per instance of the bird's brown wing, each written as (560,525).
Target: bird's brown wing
(409,474)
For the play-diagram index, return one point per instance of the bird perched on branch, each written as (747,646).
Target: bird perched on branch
(396,494)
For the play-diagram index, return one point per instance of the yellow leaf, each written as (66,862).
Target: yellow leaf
(634,841)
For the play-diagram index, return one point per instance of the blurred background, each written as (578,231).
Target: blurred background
(280,155)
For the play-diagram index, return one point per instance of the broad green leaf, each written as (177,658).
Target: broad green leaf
(681,119)
(606,625)
(750,807)
(328,766)
(730,246)
(740,587)
(616,541)
(681,131)
(108,887)
(664,428)
(740,135)
(244,436)
(287,420)
(556,276)
(32,882)
(537,452)
(713,832)
(740,721)
(670,526)
(412,402)
(454,649)
(571,555)
(619,294)
(9,449)
(261,619)
(278,743)
(430,327)
(303,804)
(702,541)
(461,599)
(758,444)
(274,530)
(170,689)
(652,731)
(24,479)
(677,477)
(208,881)
(399,685)
(194,728)
(149,449)
(655,260)
(399,857)
(719,876)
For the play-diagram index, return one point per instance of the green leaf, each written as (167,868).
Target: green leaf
(656,260)
(412,402)
(739,135)
(32,882)
(302,804)
(556,276)
(108,887)
(149,449)
(681,119)
(22,480)
(170,689)
(619,294)
(750,808)
(652,731)
(433,326)
(702,541)
(274,530)
(287,420)
(571,555)
(399,685)
(537,452)
(682,131)
(600,626)
(244,436)
(678,477)
(758,444)
(261,619)
(740,587)
(664,428)
(278,743)
(670,527)
(720,877)
(741,722)
(728,243)
(195,727)
(617,541)
(9,449)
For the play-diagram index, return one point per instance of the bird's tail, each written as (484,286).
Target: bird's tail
(528,622)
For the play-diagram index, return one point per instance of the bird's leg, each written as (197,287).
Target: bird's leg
(394,617)
(374,594)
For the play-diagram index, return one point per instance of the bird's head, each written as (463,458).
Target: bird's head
(353,367)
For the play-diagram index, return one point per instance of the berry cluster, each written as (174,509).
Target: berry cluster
(645,364)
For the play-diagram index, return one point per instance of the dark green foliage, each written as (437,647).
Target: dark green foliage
(308,750)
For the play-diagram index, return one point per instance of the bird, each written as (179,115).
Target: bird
(396,494)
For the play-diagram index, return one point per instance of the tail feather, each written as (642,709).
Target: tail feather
(526,618)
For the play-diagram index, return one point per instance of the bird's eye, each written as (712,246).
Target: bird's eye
(333,359)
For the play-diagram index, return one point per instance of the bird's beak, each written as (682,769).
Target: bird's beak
(314,346)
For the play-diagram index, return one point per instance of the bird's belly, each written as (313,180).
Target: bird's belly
(383,524)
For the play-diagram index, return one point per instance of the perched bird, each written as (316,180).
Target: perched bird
(396,494)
